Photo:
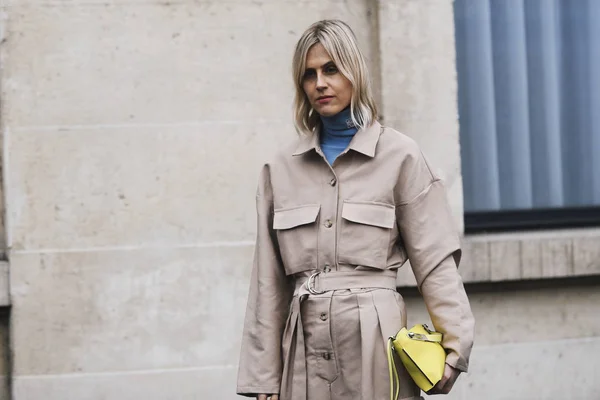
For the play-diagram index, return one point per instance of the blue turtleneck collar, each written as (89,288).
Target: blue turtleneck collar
(336,134)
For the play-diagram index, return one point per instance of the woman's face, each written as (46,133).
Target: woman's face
(328,91)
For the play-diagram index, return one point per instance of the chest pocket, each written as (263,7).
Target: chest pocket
(365,233)
(297,236)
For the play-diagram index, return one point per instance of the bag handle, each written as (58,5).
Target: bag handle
(434,337)
(394,379)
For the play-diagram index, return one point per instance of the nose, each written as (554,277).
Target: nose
(321,83)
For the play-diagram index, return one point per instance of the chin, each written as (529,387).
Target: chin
(328,111)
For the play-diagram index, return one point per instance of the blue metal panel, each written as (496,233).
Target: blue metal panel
(512,103)
(529,102)
(476,105)
(543,35)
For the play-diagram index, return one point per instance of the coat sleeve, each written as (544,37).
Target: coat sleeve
(260,367)
(429,235)
(450,312)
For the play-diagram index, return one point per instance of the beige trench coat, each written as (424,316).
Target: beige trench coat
(355,222)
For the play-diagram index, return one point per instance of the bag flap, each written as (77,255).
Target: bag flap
(375,214)
(287,218)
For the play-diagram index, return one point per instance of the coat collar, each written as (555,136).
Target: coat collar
(364,141)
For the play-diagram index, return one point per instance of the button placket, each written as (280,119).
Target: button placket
(327,256)
(336,190)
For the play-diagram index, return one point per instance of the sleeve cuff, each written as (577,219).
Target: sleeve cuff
(454,360)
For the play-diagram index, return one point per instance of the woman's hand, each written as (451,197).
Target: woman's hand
(447,381)
(267,397)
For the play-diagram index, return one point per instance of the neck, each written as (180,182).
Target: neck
(339,123)
(336,134)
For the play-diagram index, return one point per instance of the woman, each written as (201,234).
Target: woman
(339,212)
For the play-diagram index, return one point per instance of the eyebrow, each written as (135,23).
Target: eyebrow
(327,64)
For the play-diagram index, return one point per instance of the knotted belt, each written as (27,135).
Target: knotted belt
(295,376)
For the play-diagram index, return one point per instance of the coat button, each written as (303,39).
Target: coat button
(333,181)
(326,356)
(328,224)
(327,268)
(323,316)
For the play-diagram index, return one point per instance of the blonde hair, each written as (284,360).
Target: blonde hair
(340,42)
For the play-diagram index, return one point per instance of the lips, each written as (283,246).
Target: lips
(324,99)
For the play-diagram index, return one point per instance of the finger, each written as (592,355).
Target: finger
(450,383)
(443,382)
(437,389)
(275,397)
(447,387)
(262,397)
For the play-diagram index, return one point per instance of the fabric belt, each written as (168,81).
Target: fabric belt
(322,282)
(294,376)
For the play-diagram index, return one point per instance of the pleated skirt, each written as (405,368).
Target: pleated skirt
(340,353)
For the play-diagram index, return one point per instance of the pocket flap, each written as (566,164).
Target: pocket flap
(287,218)
(376,214)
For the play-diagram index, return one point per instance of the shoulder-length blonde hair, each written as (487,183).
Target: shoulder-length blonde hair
(340,42)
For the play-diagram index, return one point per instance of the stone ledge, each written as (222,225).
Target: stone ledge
(4,288)
(526,255)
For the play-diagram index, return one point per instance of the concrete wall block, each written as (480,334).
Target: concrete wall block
(128,63)
(3,238)
(80,3)
(475,264)
(531,259)
(505,260)
(161,186)
(192,384)
(544,370)
(557,257)
(536,314)
(519,316)
(586,256)
(531,255)
(542,254)
(418,60)
(122,311)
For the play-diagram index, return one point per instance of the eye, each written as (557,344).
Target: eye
(308,74)
(331,69)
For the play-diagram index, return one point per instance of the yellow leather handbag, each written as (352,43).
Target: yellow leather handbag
(422,354)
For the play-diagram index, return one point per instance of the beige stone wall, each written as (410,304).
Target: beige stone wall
(134,135)
(133,132)
(419,85)
(3,238)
